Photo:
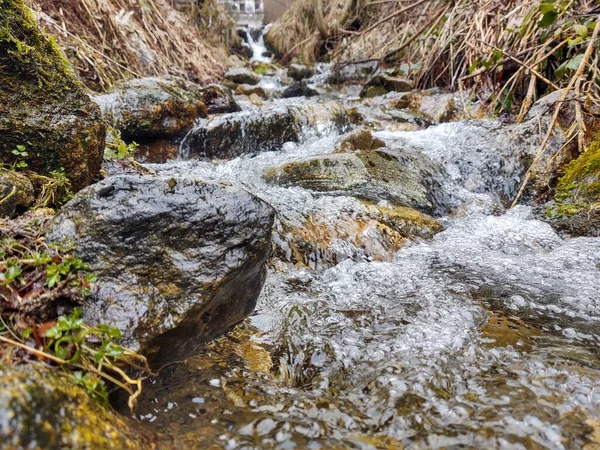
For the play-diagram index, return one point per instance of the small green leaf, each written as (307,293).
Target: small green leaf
(548,19)
(580,30)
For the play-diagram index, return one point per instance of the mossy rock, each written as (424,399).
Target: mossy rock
(299,71)
(382,84)
(361,139)
(16,192)
(219,99)
(231,135)
(42,105)
(242,75)
(42,407)
(153,107)
(575,208)
(401,177)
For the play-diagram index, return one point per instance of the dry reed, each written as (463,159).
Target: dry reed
(111,40)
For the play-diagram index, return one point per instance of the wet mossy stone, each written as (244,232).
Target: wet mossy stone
(153,107)
(382,84)
(43,408)
(242,75)
(219,99)
(575,209)
(299,89)
(42,105)
(16,193)
(232,135)
(299,71)
(403,178)
(179,260)
(361,139)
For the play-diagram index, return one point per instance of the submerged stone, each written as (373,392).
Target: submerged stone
(42,105)
(41,407)
(179,260)
(153,107)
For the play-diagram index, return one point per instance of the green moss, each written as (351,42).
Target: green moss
(581,181)
(375,91)
(561,210)
(261,69)
(26,51)
(42,104)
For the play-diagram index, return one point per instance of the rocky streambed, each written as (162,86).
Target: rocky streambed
(378,291)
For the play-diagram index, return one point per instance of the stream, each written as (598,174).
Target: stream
(482,336)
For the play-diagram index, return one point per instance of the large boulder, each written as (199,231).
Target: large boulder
(42,105)
(179,260)
(232,135)
(153,107)
(403,178)
(42,407)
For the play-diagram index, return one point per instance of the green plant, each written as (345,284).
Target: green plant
(96,352)
(34,276)
(21,153)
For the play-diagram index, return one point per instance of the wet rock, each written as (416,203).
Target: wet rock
(299,89)
(401,177)
(232,135)
(412,117)
(363,231)
(437,108)
(153,107)
(244,89)
(352,73)
(41,407)
(575,208)
(361,139)
(179,260)
(219,99)
(16,192)
(299,71)
(382,84)
(242,75)
(42,105)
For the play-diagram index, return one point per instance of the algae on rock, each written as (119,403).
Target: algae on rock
(42,105)
(576,206)
(42,408)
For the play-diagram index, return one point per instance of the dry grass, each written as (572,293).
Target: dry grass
(111,40)
(507,52)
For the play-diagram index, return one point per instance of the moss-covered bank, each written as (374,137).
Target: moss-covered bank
(576,205)
(42,105)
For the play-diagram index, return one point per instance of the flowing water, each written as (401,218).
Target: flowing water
(485,336)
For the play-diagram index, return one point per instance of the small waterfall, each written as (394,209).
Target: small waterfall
(254,40)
